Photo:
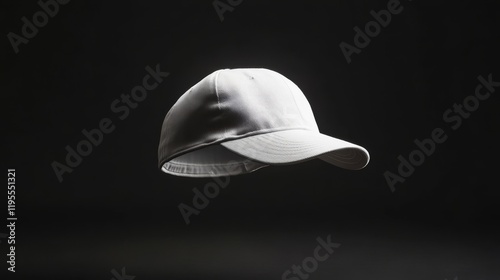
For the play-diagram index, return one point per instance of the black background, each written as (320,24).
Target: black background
(116,209)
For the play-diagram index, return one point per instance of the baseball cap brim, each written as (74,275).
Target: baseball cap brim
(298,145)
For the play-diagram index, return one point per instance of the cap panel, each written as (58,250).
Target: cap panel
(194,119)
(257,100)
(303,107)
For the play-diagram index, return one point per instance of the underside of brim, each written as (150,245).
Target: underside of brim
(293,146)
(210,161)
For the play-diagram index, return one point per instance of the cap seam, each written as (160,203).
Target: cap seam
(216,84)
(217,89)
(294,100)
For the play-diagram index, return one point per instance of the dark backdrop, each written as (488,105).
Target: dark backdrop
(117,210)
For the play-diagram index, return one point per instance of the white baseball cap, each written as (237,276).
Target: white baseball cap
(236,121)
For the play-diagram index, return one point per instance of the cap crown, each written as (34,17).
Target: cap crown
(231,104)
